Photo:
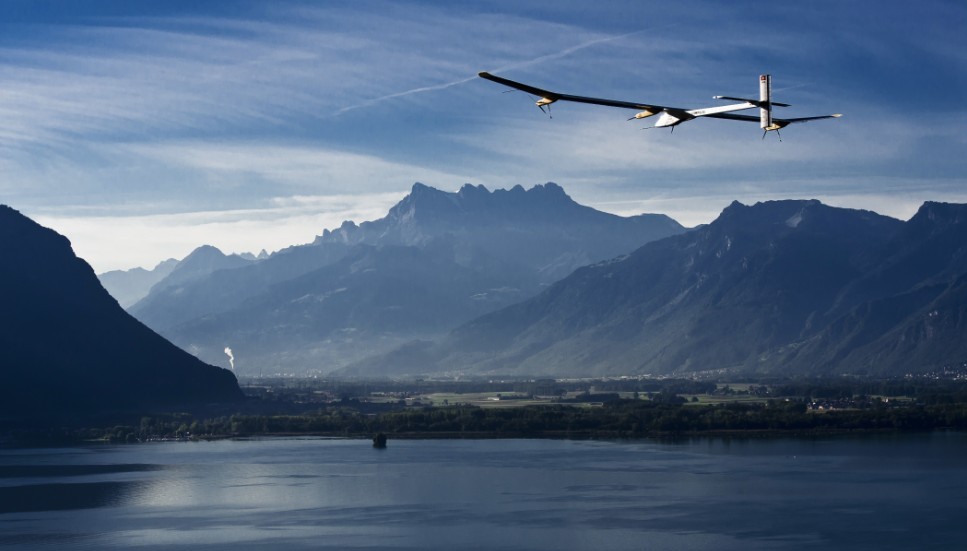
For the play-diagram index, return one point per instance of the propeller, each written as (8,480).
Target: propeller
(535,98)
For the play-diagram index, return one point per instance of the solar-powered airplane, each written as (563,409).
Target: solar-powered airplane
(670,117)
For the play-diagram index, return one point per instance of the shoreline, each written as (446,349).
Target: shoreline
(547,435)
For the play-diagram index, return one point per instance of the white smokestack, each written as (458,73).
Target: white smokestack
(231,358)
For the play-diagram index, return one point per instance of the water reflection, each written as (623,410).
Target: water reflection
(62,497)
(705,494)
(54,487)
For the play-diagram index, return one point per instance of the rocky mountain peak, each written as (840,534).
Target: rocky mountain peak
(470,190)
(938,215)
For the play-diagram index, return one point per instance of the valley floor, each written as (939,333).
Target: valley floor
(537,409)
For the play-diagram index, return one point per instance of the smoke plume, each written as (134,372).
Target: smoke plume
(231,358)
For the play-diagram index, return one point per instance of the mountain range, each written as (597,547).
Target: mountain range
(67,347)
(528,282)
(468,283)
(787,287)
(436,260)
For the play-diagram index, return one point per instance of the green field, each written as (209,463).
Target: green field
(705,400)
(482,399)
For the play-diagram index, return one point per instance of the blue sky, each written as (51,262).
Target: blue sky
(143,129)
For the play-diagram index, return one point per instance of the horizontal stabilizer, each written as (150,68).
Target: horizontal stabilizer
(755,102)
(804,119)
(779,123)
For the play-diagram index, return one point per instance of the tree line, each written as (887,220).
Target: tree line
(615,419)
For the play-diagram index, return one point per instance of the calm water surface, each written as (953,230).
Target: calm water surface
(890,492)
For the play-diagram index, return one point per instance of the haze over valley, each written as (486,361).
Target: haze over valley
(436,260)
(530,283)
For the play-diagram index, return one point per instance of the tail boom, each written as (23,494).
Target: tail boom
(765,102)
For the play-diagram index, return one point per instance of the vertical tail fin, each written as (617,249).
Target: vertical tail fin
(765,96)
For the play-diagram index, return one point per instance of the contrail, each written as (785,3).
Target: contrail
(519,64)
(374,101)
(566,52)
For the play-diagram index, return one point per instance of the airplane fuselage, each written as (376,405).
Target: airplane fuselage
(674,117)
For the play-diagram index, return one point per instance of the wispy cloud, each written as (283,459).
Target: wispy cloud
(198,112)
(295,168)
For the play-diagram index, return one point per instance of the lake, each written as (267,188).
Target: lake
(871,492)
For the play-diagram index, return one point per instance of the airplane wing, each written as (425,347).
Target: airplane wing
(555,96)
(670,116)
(755,101)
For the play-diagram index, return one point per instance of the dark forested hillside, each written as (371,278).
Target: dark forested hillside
(67,347)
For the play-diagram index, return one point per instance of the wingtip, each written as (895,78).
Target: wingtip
(483,74)
(837,115)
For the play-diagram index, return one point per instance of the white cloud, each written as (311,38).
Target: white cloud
(122,242)
(293,168)
(898,198)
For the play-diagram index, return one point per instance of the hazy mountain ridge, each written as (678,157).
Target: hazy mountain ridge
(373,298)
(205,290)
(67,346)
(542,227)
(512,242)
(790,286)
(130,286)
(200,263)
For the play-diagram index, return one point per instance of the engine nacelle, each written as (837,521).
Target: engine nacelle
(644,114)
(776,125)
